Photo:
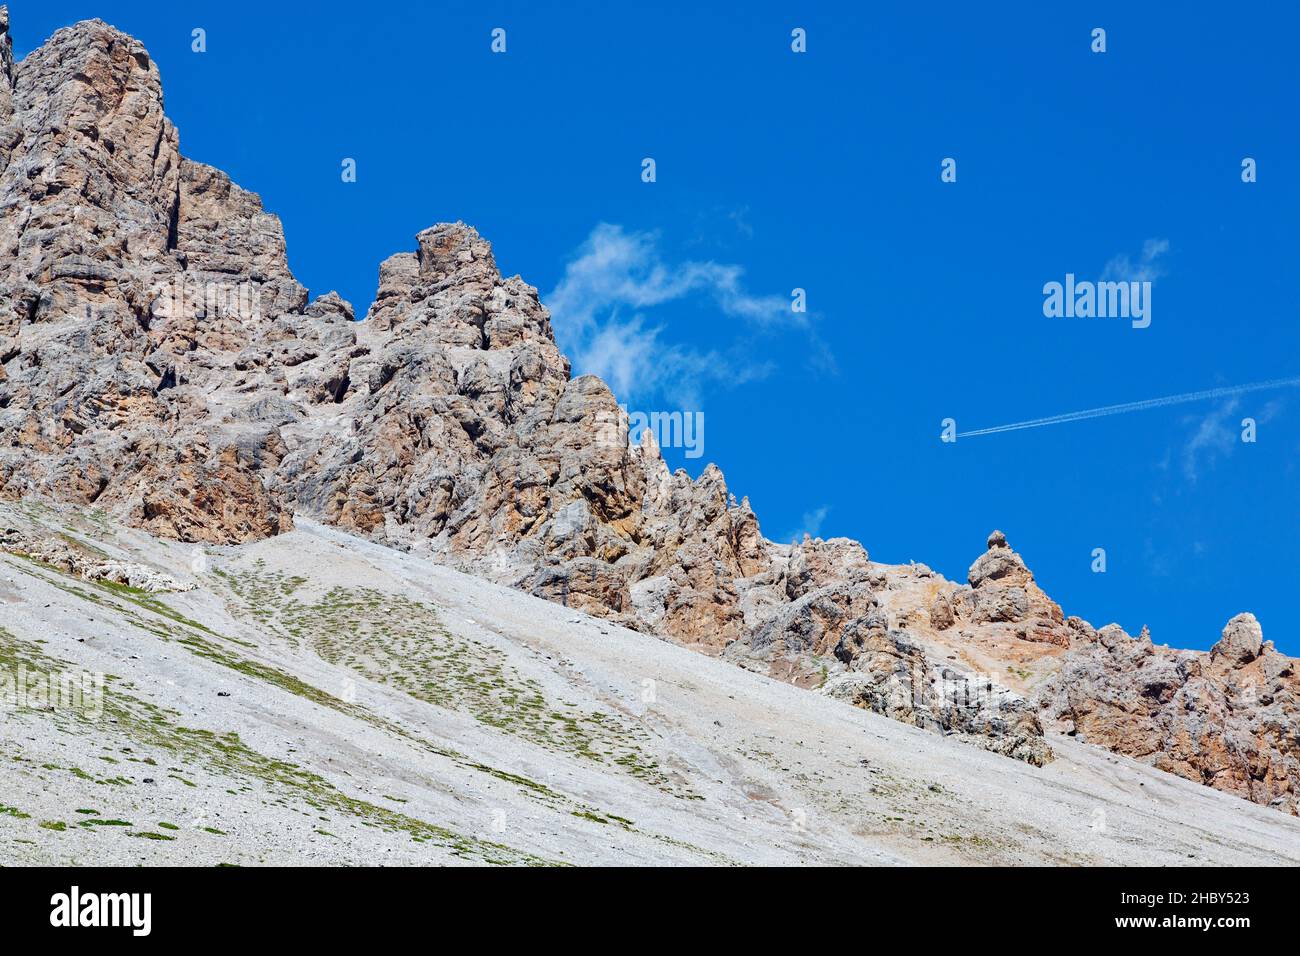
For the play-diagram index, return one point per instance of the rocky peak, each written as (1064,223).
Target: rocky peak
(454,250)
(450,293)
(90,162)
(1003,594)
(999,565)
(1242,641)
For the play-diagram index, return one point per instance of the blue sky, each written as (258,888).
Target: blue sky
(821,171)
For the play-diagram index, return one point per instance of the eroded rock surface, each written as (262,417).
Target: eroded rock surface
(1229,718)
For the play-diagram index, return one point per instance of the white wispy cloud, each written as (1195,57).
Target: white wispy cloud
(1146,268)
(810,524)
(1218,433)
(635,362)
(1213,437)
(740,217)
(598,312)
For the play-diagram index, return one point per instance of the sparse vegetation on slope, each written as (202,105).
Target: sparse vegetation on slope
(394,640)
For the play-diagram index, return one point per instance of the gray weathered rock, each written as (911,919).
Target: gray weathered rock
(1227,718)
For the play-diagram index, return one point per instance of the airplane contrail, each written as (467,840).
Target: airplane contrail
(1136,406)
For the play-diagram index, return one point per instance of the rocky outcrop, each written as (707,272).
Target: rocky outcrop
(121,270)
(893,675)
(1003,594)
(69,555)
(159,359)
(1229,718)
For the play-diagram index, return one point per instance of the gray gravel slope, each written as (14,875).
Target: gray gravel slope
(320,699)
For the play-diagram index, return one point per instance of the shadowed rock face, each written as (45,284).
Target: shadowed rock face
(158,359)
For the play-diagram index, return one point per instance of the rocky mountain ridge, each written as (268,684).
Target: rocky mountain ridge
(159,360)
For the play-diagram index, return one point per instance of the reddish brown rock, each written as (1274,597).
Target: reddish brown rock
(1227,718)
